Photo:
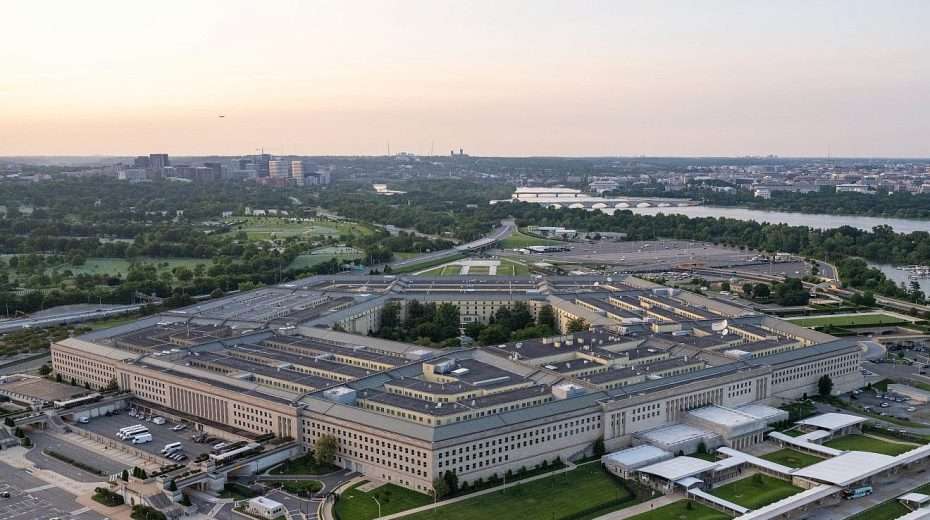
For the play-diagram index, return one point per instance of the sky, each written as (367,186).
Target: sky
(497,77)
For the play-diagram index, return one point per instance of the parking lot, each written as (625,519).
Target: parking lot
(650,255)
(34,499)
(162,434)
(893,406)
(74,451)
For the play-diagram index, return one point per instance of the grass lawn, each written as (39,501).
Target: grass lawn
(115,266)
(420,266)
(511,268)
(112,322)
(885,511)
(792,458)
(479,269)
(297,487)
(266,228)
(863,443)
(557,496)
(305,465)
(358,505)
(520,240)
(302,261)
(679,511)
(858,320)
(753,492)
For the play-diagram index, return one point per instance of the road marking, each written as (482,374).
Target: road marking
(39,488)
(80,511)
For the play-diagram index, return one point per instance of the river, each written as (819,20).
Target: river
(813,220)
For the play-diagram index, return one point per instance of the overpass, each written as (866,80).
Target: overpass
(66,318)
(506,229)
(589,202)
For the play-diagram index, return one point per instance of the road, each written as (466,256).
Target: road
(65,318)
(506,229)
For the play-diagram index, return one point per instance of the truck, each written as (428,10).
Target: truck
(142,438)
(857,492)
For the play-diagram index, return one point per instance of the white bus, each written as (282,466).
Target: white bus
(132,431)
(126,429)
(134,434)
(174,446)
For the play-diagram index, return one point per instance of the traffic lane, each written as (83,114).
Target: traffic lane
(44,442)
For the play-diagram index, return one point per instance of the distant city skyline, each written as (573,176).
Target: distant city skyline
(502,78)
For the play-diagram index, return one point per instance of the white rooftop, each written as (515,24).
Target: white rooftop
(786,505)
(678,468)
(265,502)
(674,434)
(762,412)
(846,468)
(724,416)
(637,456)
(918,498)
(919,514)
(832,421)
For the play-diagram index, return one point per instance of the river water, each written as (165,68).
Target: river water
(817,221)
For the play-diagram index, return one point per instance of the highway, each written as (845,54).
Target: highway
(506,229)
(64,318)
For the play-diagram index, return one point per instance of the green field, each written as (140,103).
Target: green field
(792,458)
(511,268)
(267,228)
(863,443)
(519,240)
(583,489)
(679,511)
(120,266)
(303,261)
(858,320)
(755,492)
(885,511)
(358,505)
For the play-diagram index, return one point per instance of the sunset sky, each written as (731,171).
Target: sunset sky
(494,77)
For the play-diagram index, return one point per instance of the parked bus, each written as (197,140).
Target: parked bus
(132,431)
(857,492)
(171,447)
(121,431)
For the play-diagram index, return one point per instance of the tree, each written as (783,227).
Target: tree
(598,448)
(45,370)
(452,480)
(125,476)
(57,377)
(325,449)
(747,289)
(761,290)
(547,317)
(825,385)
(493,334)
(576,325)
(172,485)
(112,386)
(440,487)
(8,422)
(26,442)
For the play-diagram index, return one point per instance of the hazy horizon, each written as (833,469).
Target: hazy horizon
(499,79)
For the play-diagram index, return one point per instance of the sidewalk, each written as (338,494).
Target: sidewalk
(16,457)
(643,507)
(111,453)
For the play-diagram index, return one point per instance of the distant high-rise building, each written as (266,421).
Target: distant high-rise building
(141,162)
(216,170)
(297,169)
(261,165)
(157,161)
(277,168)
